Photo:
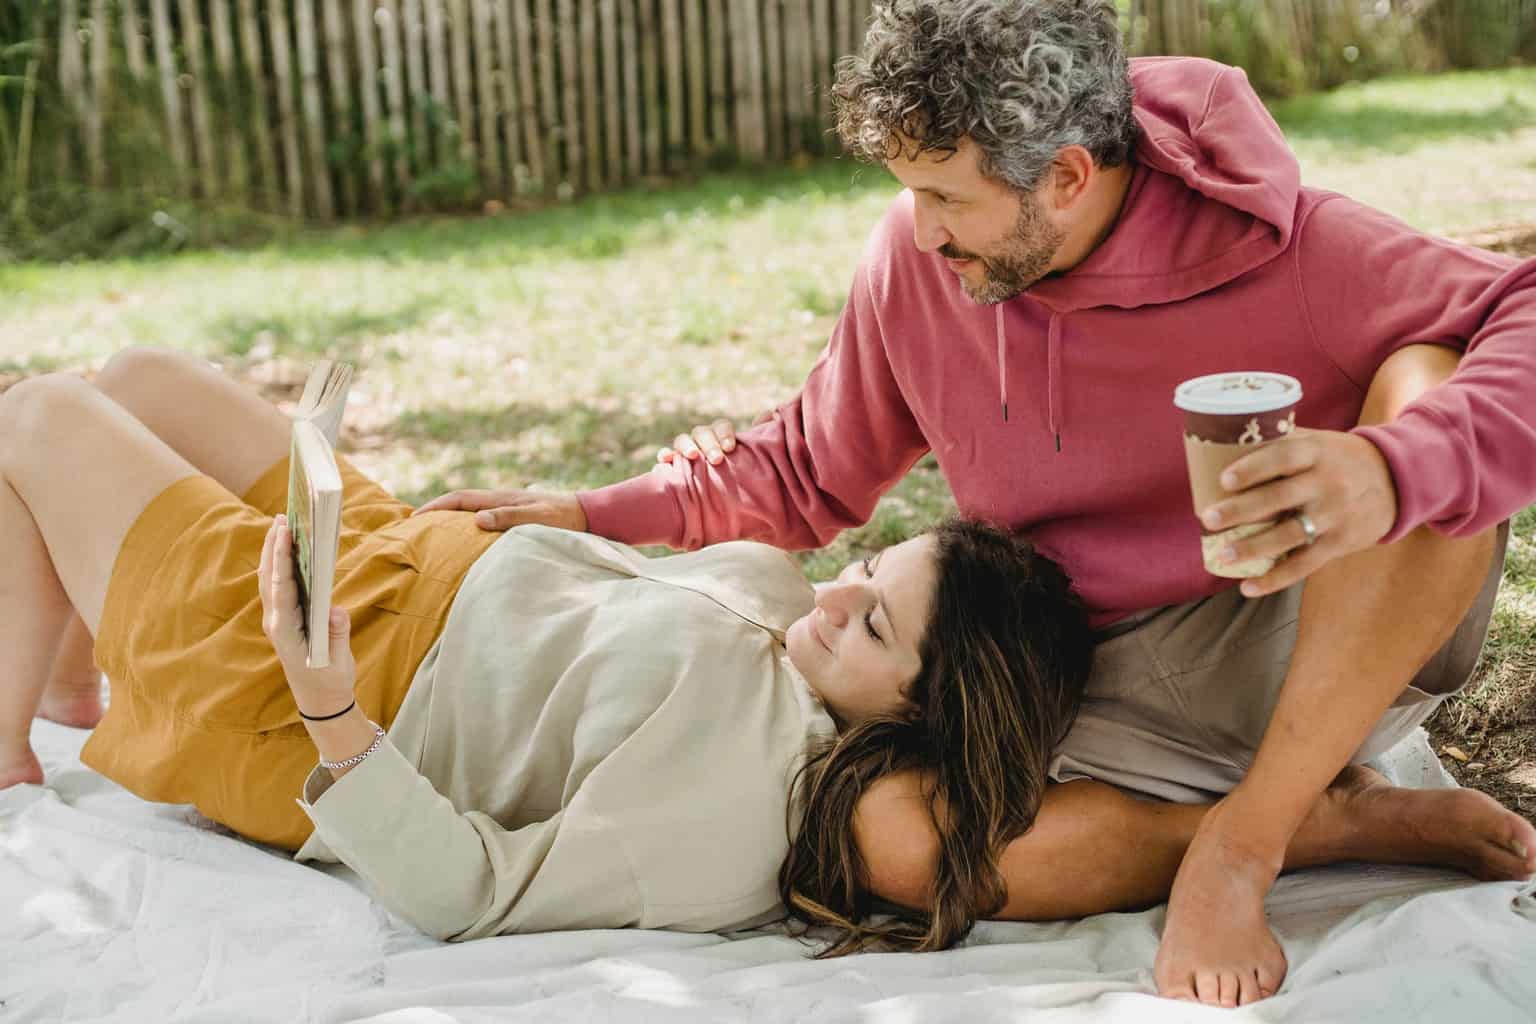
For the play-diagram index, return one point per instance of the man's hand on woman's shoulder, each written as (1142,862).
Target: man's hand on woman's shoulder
(502,510)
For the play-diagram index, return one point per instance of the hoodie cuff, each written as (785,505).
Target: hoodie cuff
(641,510)
(1428,470)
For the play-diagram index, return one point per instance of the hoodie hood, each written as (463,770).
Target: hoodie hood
(1213,194)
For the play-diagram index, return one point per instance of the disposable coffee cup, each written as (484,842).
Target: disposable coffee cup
(1228,416)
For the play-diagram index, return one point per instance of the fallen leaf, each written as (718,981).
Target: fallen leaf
(1455,752)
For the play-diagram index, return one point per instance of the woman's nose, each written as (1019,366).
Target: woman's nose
(839,601)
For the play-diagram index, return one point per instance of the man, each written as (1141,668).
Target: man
(1077,236)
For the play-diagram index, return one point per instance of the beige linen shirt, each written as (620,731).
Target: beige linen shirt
(597,740)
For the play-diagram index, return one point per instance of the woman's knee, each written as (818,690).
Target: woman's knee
(32,409)
(1406,375)
(143,372)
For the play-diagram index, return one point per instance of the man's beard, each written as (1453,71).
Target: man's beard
(1025,257)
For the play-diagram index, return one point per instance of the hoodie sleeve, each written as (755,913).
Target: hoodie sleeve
(817,468)
(1463,457)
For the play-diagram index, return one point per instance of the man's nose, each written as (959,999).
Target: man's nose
(927,233)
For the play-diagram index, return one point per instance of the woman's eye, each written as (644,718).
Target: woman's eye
(869,624)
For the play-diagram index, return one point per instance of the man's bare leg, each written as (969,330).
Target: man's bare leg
(225,430)
(1368,623)
(75,472)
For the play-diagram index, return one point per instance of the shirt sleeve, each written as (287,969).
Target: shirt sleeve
(1463,456)
(817,468)
(463,876)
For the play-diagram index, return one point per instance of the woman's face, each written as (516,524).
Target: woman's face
(858,649)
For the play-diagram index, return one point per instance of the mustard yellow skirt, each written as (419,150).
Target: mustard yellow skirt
(200,710)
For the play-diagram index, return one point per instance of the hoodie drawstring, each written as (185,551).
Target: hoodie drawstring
(1053,371)
(1002,361)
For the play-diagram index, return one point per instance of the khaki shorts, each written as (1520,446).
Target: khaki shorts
(1180,697)
(200,710)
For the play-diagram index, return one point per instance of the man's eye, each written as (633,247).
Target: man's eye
(867,570)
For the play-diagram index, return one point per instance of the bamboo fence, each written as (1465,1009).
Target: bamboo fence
(338,108)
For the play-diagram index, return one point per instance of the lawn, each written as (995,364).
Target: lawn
(560,347)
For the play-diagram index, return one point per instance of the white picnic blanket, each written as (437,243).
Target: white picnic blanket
(112,909)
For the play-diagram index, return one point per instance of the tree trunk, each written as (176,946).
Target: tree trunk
(258,112)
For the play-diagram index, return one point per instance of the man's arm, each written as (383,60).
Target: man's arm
(816,468)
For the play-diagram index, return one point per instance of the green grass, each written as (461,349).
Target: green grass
(560,347)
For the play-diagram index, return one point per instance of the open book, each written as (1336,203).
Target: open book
(314,501)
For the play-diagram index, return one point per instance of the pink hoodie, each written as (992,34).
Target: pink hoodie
(1053,412)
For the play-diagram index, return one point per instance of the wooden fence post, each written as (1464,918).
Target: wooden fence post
(494,180)
(100,93)
(170,91)
(612,107)
(458,16)
(416,86)
(339,73)
(368,96)
(772,56)
(570,89)
(282,69)
(257,113)
(232,125)
(633,144)
(650,75)
(517,171)
(672,62)
(202,128)
(314,113)
(591,110)
(698,84)
(133,40)
(387,17)
(533,139)
(719,78)
(548,94)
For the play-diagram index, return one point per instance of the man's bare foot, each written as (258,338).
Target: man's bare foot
(75,704)
(1217,947)
(1458,828)
(18,766)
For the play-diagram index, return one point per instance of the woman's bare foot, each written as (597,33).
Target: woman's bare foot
(1459,828)
(76,704)
(19,765)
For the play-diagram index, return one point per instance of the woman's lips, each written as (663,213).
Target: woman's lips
(816,628)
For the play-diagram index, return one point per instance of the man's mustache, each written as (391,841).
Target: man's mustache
(949,252)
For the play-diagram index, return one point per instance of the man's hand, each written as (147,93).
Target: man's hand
(1340,481)
(317,691)
(712,441)
(502,510)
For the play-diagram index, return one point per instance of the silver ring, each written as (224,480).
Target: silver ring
(1307,527)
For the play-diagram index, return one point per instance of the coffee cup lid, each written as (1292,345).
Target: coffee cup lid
(1237,392)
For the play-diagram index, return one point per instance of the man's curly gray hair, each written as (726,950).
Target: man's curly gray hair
(1021,78)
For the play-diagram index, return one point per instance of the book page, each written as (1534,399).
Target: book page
(301,530)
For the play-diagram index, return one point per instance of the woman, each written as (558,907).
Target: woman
(517,732)
(637,770)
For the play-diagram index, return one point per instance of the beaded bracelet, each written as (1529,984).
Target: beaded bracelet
(356,759)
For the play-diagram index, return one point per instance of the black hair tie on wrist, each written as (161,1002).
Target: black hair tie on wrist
(327,718)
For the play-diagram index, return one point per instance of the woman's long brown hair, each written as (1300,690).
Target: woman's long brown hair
(1005,657)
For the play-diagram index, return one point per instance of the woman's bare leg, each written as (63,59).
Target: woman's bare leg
(225,430)
(76,470)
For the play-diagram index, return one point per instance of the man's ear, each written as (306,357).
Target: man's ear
(1071,173)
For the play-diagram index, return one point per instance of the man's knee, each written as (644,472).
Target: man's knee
(1405,376)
